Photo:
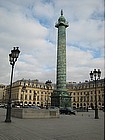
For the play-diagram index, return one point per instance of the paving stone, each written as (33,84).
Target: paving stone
(82,126)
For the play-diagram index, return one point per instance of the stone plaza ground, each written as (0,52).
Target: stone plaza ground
(81,126)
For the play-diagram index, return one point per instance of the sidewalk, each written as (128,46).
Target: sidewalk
(82,126)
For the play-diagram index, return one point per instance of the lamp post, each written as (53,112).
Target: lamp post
(12,58)
(97,75)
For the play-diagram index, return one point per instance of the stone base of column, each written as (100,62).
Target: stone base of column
(60,99)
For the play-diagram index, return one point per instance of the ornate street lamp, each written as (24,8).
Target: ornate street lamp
(12,58)
(97,75)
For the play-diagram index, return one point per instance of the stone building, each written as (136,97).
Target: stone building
(2,93)
(30,92)
(38,93)
(83,94)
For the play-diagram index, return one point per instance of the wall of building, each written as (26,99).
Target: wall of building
(37,93)
(2,93)
(83,94)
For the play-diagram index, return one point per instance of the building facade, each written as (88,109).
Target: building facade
(83,94)
(2,93)
(37,93)
(30,92)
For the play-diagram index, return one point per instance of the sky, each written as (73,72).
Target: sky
(30,25)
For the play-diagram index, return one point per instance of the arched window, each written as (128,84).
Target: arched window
(77,105)
(91,105)
(30,103)
(84,104)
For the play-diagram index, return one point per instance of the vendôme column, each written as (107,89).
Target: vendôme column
(60,96)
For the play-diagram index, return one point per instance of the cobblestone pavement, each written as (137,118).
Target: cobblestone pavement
(82,126)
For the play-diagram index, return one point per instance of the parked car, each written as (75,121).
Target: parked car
(26,106)
(34,107)
(2,106)
(89,108)
(17,106)
(67,111)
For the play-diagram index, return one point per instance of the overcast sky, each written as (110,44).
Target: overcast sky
(30,24)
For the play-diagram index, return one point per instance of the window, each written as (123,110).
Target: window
(81,99)
(84,98)
(41,97)
(25,97)
(91,98)
(99,98)
(30,97)
(87,98)
(25,103)
(77,105)
(78,99)
(38,98)
(74,104)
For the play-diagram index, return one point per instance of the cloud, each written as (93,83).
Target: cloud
(86,31)
(80,63)
(30,24)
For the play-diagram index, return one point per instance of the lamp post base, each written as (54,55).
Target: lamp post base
(8,121)
(8,114)
(96,114)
